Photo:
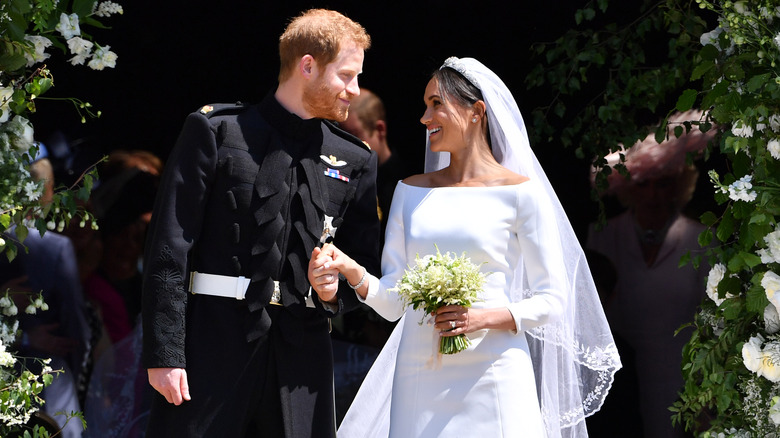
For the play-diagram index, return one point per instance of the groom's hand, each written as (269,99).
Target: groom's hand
(171,383)
(323,277)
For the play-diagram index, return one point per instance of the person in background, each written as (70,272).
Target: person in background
(367,120)
(653,296)
(60,333)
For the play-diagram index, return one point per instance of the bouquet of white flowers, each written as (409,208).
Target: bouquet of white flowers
(439,280)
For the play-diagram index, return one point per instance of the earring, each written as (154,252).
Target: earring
(474,119)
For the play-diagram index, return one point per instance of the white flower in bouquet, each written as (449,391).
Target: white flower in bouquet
(771,319)
(713,279)
(774,411)
(40,44)
(752,354)
(68,26)
(439,280)
(81,49)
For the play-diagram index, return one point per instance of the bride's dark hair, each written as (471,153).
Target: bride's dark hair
(453,85)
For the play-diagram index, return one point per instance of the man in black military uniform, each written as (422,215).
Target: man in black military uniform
(234,342)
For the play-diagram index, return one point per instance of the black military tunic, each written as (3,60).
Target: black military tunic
(246,192)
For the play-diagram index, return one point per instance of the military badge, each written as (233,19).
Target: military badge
(206,109)
(334,173)
(332,161)
(328,230)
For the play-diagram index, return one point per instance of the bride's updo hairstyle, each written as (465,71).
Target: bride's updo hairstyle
(455,86)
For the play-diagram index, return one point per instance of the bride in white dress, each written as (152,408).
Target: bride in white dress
(541,356)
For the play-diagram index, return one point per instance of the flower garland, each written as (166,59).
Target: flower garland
(732,362)
(29,29)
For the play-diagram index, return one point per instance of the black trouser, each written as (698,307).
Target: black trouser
(279,385)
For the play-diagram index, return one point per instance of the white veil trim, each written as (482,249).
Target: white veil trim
(575,358)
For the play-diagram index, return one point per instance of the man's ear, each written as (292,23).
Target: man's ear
(308,66)
(381,129)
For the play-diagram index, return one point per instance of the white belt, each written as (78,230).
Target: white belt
(231,287)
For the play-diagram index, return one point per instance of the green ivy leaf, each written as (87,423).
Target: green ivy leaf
(708,218)
(756,300)
(705,238)
(686,100)
(726,227)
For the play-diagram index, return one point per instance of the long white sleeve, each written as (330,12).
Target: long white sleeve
(541,254)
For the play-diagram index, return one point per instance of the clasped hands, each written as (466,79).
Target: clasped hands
(325,265)
(328,262)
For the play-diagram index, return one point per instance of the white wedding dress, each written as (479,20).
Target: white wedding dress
(488,390)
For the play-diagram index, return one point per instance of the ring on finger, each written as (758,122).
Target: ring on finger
(453,324)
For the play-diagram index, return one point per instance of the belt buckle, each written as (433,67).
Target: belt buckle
(276,296)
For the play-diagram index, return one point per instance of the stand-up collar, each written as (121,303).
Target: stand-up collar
(286,122)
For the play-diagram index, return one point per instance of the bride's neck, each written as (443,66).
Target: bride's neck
(474,166)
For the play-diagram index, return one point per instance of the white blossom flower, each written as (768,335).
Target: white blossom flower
(81,48)
(6,358)
(771,284)
(761,124)
(770,364)
(713,279)
(742,129)
(777,39)
(771,319)
(103,58)
(33,190)
(5,99)
(30,309)
(68,25)
(766,256)
(752,353)
(774,411)
(40,44)
(10,310)
(772,253)
(711,37)
(774,148)
(740,190)
(105,9)
(774,122)
(21,131)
